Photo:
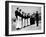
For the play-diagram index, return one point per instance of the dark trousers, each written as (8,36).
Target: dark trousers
(37,23)
(32,21)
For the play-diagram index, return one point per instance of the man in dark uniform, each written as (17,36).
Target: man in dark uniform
(32,20)
(16,13)
(37,18)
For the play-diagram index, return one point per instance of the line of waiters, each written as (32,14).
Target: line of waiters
(24,19)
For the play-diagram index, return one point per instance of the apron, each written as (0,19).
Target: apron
(25,22)
(28,21)
(19,23)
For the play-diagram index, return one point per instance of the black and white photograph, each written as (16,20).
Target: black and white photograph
(24,18)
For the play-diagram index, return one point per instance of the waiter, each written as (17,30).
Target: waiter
(25,21)
(32,20)
(37,18)
(16,13)
(23,16)
(28,19)
(19,20)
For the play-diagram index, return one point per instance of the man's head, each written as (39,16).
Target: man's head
(17,8)
(37,12)
(20,10)
(23,13)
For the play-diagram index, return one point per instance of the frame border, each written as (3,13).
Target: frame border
(7,17)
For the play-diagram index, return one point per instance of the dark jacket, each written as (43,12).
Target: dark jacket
(32,20)
(16,13)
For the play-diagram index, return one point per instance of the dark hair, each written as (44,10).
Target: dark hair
(20,10)
(17,8)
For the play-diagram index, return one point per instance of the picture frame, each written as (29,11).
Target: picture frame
(8,14)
